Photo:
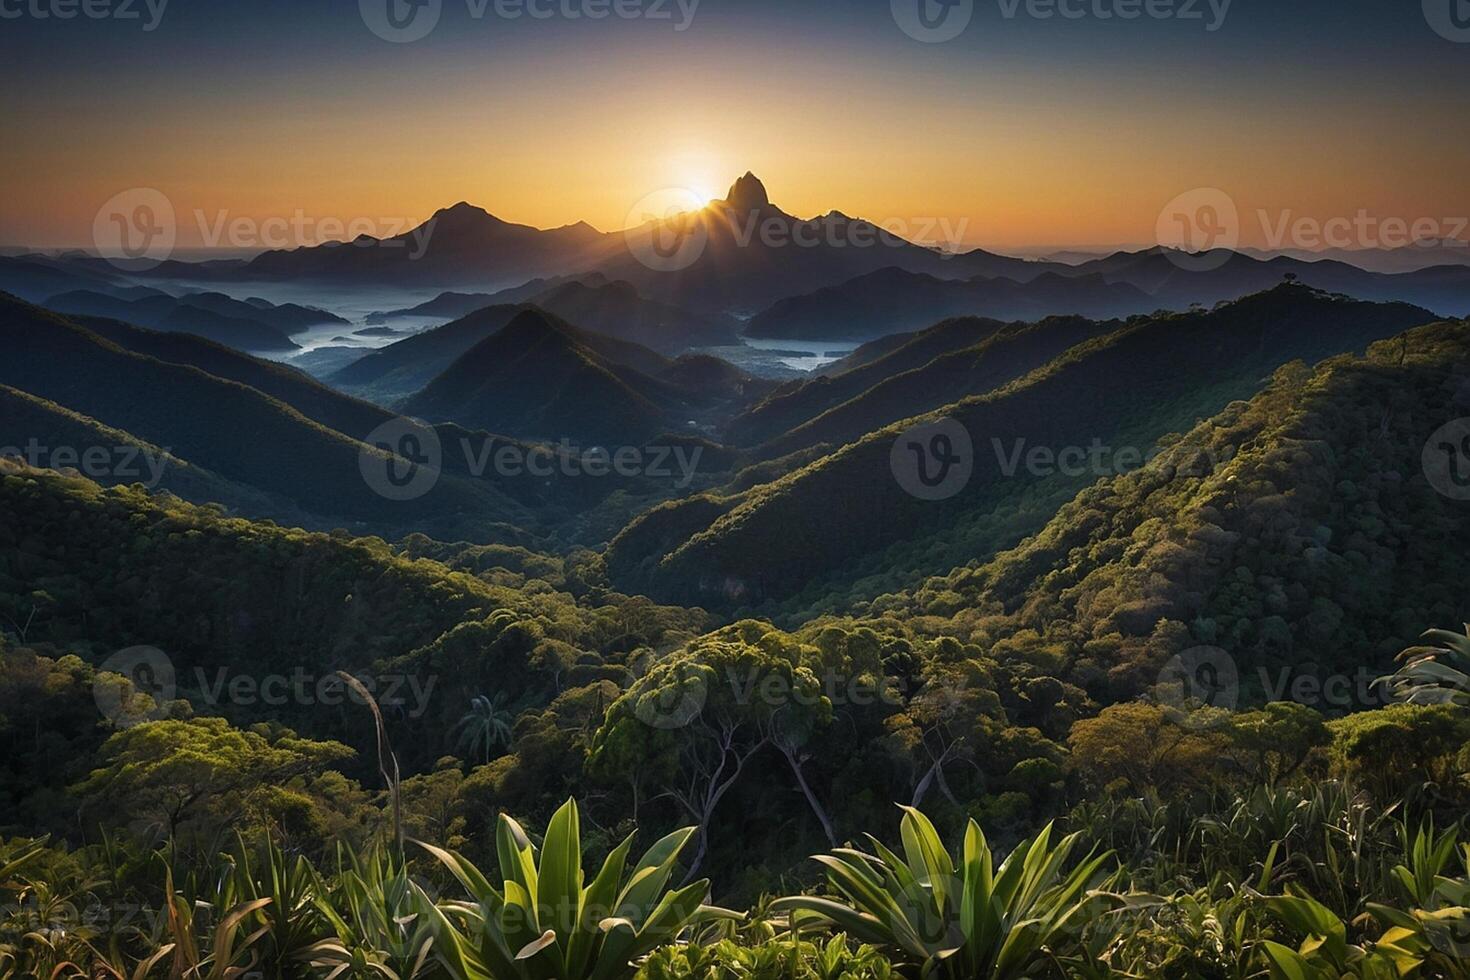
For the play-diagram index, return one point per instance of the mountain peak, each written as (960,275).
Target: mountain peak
(462,215)
(462,208)
(747,194)
(530,322)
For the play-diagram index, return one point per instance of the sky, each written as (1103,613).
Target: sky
(1021,130)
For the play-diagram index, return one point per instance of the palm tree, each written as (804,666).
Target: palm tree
(1434,674)
(486,724)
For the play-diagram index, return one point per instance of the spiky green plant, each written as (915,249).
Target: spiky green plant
(292,919)
(543,924)
(377,917)
(970,921)
(1434,674)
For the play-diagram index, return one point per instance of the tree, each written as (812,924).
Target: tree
(199,774)
(940,725)
(791,730)
(696,719)
(1274,742)
(1139,745)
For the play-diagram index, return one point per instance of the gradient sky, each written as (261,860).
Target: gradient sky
(1020,131)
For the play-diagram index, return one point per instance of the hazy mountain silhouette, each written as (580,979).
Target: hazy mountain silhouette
(897,301)
(253,325)
(163,312)
(1120,284)
(459,245)
(452,305)
(617,310)
(1408,258)
(754,254)
(36,279)
(1175,281)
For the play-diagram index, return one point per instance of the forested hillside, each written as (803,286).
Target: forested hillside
(1017,690)
(176,674)
(845,516)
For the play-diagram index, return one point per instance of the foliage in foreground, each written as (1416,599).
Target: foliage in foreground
(1043,911)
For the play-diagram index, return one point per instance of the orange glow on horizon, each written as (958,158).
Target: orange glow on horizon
(1032,166)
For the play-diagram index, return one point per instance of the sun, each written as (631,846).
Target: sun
(701,171)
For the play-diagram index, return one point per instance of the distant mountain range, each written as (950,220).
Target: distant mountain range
(750,261)
(451,305)
(831,277)
(251,324)
(1170,278)
(36,278)
(896,301)
(1122,284)
(754,254)
(1409,258)
(459,245)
